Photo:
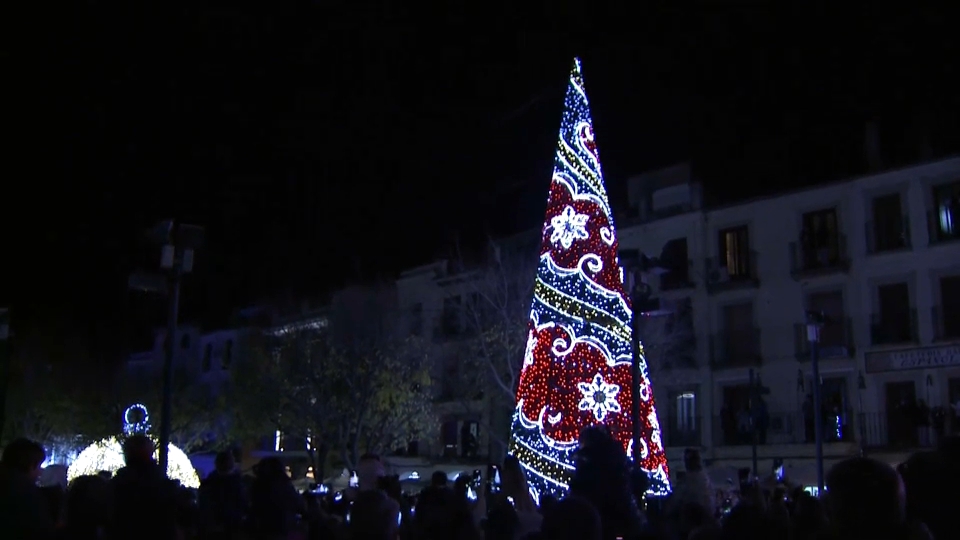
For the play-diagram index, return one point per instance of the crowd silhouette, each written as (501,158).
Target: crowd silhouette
(864,499)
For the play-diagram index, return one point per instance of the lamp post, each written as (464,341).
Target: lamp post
(177,245)
(636,267)
(635,370)
(756,389)
(815,322)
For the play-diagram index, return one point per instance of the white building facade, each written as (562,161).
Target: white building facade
(430,298)
(202,357)
(876,255)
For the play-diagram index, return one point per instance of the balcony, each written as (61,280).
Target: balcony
(687,433)
(946,322)
(810,261)
(888,430)
(787,427)
(943,227)
(721,277)
(894,328)
(885,237)
(735,348)
(836,340)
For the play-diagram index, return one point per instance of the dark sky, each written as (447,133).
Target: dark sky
(322,141)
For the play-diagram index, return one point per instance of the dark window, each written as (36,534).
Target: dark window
(451,322)
(735,251)
(901,397)
(738,316)
(674,259)
(950,306)
(227,357)
(820,238)
(894,323)
(207,357)
(889,232)
(894,301)
(416,315)
(740,341)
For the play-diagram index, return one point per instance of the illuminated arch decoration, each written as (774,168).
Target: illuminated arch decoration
(577,364)
(107,455)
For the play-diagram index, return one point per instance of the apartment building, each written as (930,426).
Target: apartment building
(876,255)
(202,357)
(431,298)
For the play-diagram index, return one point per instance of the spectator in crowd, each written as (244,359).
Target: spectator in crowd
(24,512)
(572,518)
(223,500)
(144,498)
(374,516)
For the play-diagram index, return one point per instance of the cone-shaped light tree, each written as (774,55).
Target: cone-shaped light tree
(577,364)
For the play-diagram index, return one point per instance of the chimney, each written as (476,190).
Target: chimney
(871,146)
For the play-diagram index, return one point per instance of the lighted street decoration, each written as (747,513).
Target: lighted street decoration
(579,355)
(107,455)
(136,420)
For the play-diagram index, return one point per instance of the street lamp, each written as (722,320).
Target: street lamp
(815,321)
(757,390)
(177,245)
(637,266)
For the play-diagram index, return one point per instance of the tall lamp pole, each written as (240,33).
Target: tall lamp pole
(815,322)
(177,245)
(635,370)
(638,266)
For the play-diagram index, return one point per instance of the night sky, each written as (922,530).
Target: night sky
(326,142)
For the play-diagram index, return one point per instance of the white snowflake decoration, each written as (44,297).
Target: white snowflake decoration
(599,397)
(531,346)
(569,226)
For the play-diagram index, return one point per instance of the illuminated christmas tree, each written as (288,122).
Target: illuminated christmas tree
(576,367)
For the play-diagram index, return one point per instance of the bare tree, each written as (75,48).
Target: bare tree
(496,313)
(668,339)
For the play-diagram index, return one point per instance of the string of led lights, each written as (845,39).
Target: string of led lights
(577,363)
